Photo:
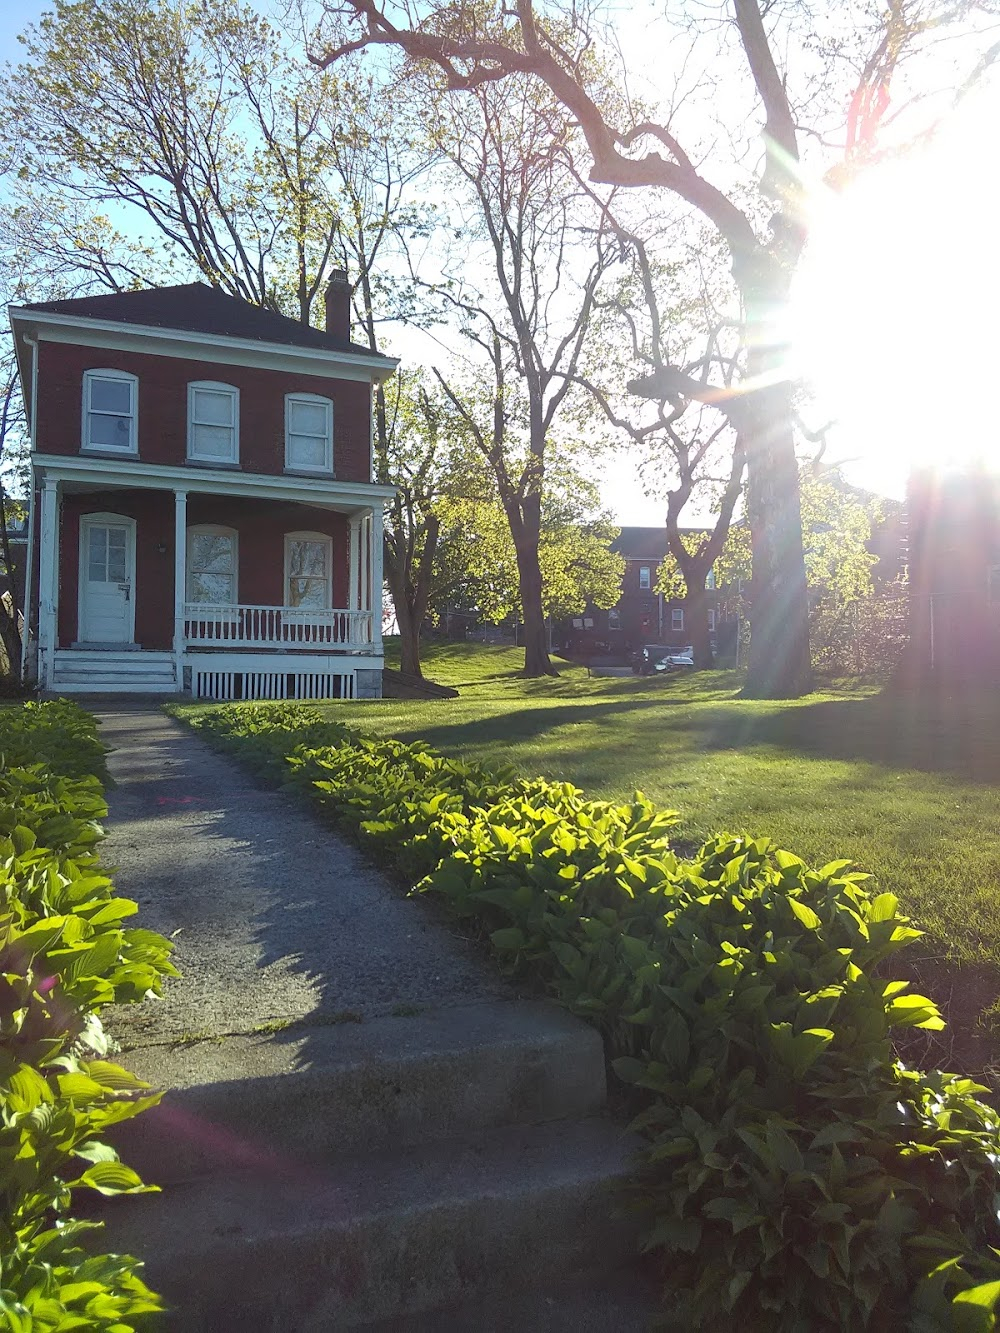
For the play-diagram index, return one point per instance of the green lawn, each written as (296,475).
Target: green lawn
(906,786)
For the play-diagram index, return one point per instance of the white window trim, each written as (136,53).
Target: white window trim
(316,400)
(215,530)
(676,617)
(302,536)
(97,373)
(711,619)
(648,571)
(216,387)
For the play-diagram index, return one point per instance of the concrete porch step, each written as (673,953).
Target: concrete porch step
(112,673)
(387,1236)
(626,1301)
(313,1093)
(128,659)
(111,684)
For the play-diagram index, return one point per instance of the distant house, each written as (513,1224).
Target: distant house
(953,520)
(641,614)
(204,517)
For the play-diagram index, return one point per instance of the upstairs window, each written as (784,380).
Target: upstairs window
(711,619)
(110,399)
(644,580)
(211,565)
(677,618)
(308,433)
(213,422)
(308,561)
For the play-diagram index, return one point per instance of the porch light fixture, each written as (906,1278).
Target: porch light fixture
(161,548)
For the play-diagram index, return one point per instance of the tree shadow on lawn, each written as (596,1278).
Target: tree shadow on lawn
(929,732)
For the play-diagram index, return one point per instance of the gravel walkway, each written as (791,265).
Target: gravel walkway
(274,917)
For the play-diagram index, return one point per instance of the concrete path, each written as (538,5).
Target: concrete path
(448,1159)
(274,917)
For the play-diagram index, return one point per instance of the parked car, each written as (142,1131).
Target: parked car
(656,657)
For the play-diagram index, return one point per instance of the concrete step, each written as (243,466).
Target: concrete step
(141,661)
(627,1301)
(384,1237)
(311,1093)
(72,674)
(111,685)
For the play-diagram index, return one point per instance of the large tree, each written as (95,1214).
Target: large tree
(525,310)
(691,452)
(793,75)
(477,563)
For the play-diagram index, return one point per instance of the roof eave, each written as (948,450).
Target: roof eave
(380,366)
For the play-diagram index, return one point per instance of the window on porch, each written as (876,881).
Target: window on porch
(211,565)
(109,411)
(308,562)
(213,422)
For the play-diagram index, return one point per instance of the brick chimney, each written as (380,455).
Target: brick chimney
(338,304)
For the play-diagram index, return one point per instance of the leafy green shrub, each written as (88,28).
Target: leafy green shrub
(57,734)
(65,952)
(796,1177)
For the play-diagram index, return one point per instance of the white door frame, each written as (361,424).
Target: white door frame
(120,520)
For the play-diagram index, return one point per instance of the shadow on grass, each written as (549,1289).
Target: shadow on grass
(932,733)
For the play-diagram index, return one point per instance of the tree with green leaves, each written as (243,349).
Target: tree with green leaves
(478,568)
(831,88)
(838,523)
(527,325)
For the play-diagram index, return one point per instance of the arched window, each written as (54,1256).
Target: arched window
(308,570)
(110,411)
(308,433)
(213,422)
(212,565)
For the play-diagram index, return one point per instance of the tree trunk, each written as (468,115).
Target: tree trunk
(409,625)
(409,642)
(536,652)
(11,646)
(696,607)
(779,665)
(9,633)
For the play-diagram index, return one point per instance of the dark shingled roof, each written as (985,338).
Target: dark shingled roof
(644,543)
(198,308)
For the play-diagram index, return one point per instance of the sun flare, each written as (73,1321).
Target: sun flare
(896,308)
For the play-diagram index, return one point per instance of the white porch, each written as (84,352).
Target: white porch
(218,649)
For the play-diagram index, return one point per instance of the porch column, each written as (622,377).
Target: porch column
(180,581)
(354,565)
(48,580)
(376,577)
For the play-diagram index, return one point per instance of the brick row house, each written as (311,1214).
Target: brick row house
(954,573)
(641,614)
(203,514)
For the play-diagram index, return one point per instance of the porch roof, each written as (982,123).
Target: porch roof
(78,473)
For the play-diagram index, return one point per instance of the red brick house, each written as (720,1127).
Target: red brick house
(641,614)
(953,519)
(203,513)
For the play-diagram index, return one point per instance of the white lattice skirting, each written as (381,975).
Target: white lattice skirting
(273,684)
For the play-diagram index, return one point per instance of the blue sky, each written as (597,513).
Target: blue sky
(15,16)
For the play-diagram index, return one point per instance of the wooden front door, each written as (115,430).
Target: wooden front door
(107,579)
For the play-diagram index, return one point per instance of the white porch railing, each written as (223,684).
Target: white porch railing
(276,627)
